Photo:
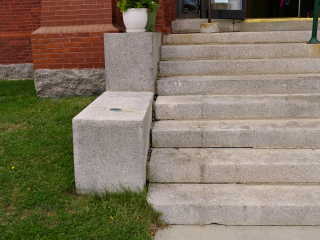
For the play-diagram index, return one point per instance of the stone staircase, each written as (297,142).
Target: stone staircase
(237,130)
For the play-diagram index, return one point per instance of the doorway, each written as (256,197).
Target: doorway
(254,8)
(232,9)
(279,8)
(188,8)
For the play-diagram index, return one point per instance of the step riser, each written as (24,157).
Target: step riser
(193,25)
(239,215)
(236,205)
(240,37)
(235,85)
(273,25)
(229,134)
(240,67)
(244,139)
(237,107)
(244,51)
(249,25)
(234,166)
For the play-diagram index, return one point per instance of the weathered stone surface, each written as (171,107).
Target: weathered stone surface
(240,37)
(193,25)
(239,51)
(209,27)
(241,84)
(187,25)
(277,24)
(132,61)
(54,83)
(219,232)
(279,133)
(268,143)
(111,142)
(237,204)
(16,71)
(248,25)
(240,66)
(234,165)
(257,106)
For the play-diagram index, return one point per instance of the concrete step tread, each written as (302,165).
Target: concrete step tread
(242,60)
(238,106)
(238,44)
(240,66)
(239,84)
(234,165)
(237,204)
(270,133)
(251,77)
(239,51)
(233,97)
(273,24)
(239,37)
(219,232)
(196,125)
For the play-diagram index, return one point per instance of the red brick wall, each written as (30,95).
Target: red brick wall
(19,15)
(76,12)
(18,19)
(166,14)
(15,48)
(65,50)
(71,34)
(117,16)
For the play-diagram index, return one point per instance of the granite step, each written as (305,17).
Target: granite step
(271,133)
(274,24)
(240,66)
(239,37)
(239,51)
(261,25)
(257,106)
(234,165)
(239,84)
(236,204)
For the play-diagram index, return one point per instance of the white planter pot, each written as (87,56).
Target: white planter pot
(135,19)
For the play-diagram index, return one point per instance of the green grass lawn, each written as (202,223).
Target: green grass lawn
(37,194)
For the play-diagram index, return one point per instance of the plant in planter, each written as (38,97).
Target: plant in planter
(152,15)
(135,13)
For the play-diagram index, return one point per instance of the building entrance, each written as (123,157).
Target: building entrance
(240,9)
(235,9)
(279,8)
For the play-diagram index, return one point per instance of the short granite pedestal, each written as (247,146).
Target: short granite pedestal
(111,142)
(132,61)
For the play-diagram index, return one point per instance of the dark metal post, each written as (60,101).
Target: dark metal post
(209,11)
(315,23)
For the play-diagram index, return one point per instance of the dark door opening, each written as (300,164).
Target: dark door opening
(188,8)
(234,9)
(240,9)
(279,8)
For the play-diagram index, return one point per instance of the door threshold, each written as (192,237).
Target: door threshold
(285,19)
